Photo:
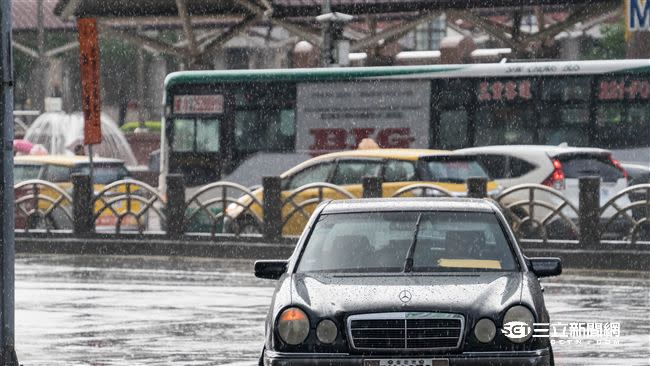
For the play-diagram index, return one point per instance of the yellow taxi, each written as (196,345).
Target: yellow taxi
(58,169)
(397,168)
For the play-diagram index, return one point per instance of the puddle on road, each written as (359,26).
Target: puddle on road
(89,310)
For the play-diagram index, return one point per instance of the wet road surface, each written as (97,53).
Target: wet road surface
(88,310)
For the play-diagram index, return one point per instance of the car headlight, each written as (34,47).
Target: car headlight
(485,330)
(293,326)
(517,315)
(326,331)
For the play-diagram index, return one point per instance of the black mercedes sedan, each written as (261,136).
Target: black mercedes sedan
(408,281)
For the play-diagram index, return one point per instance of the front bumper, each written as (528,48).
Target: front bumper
(540,357)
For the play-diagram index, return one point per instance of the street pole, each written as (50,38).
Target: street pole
(326,48)
(6,187)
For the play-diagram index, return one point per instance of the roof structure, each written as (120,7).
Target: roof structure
(386,21)
(284,8)
(24,16)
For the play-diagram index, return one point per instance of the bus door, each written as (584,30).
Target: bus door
(452,102)
(195,137)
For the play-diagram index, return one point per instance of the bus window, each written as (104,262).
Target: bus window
(453,129)
(201,135)
(264,130)
(564,124)
(207,135)
(566,89)
(502,125)
(183,135)
(618,125)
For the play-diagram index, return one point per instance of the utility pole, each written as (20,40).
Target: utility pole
(6,187)
(326,48)
(335,49)
(43,64)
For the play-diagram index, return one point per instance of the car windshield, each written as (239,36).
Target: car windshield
(26,172)
(454,170)
(104,173)
(383,241)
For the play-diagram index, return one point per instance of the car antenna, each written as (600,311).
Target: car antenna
(408,265)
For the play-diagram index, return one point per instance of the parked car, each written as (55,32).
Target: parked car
(411,281)
(556,167)
(397,168)
(58,169)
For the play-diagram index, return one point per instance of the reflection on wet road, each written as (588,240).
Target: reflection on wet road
(74,310)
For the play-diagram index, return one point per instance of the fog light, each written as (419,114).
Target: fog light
(326,331)
(485,330)
(293,326)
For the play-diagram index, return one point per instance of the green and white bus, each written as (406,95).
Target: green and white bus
(213,120)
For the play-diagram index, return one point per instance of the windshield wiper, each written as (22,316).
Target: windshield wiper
(408,265)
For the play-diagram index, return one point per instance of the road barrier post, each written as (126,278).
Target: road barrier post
(477,187)
(589,211)
(82,204)
(272,205)
(175,206)
(372,187)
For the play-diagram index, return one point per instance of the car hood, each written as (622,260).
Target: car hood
(451,292)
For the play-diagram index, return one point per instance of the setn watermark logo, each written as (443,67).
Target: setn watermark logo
(566,333)
(516,330)
(637,15)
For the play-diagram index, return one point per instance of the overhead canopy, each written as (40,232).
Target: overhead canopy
(298,17)
(282,8)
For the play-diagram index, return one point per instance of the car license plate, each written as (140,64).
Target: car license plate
(407,362)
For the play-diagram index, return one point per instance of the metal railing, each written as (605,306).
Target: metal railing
(224,209)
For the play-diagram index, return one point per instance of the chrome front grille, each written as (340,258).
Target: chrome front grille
(411,331)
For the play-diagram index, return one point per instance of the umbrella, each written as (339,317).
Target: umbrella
(22,146)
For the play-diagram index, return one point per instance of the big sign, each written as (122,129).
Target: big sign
(337,116)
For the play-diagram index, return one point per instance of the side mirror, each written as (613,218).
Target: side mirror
(545,267)
(270,269)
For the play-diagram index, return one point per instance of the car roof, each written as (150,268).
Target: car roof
(533,149)
(397,154)
(408,204)
(65,160)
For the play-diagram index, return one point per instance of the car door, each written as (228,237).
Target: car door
(297,211)
(350,172)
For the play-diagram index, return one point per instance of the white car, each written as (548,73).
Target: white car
(557,167)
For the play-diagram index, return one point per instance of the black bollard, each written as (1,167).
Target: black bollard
(589,211)
(175,207)
(371,187)
(83,205)
(272,208)
(477,187)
